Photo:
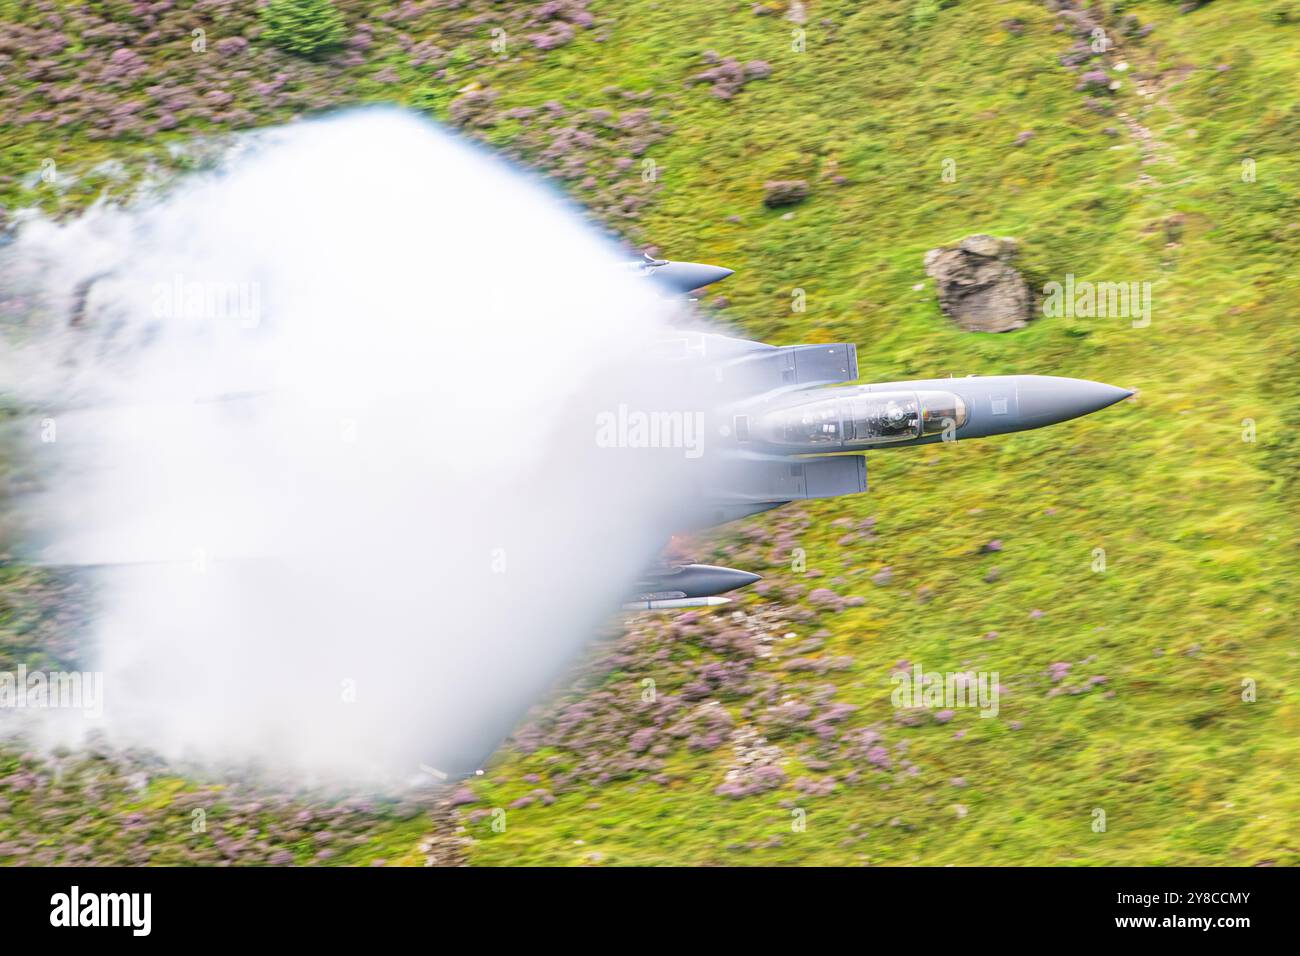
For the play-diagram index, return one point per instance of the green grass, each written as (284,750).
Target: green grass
(1199,527)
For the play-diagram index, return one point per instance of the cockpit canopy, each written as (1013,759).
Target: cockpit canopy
(859,421)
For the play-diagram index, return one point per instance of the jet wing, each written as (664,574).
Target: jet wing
(739,368)
(758,480)
(770,368)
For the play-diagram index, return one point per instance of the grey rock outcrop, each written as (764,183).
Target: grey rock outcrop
(784,192)
(978,287)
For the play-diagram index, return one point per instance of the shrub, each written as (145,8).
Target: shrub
(304,27)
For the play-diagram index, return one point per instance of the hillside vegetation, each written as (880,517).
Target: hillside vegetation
(1125,575)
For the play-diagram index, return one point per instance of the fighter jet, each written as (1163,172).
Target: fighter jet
(790,434)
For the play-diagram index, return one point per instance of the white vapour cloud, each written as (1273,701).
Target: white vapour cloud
(380,553)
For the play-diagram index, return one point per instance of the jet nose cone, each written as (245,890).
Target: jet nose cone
(685,276)
(1045,400)
(726,579)
(702,580)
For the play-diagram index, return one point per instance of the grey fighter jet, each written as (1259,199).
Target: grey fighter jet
(789,434)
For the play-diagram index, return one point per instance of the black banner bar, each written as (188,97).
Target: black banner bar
(219,905)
